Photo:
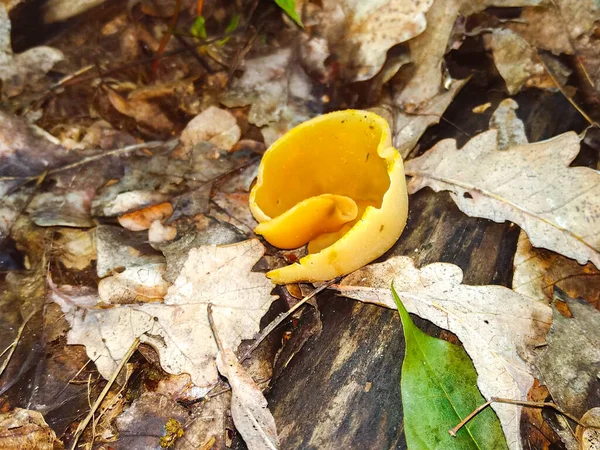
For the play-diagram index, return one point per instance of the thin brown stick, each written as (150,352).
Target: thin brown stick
(462,423)
(509,401)
(281,317)
(165,39)
(14,343)
(93,158)
(82,425)
(213,327)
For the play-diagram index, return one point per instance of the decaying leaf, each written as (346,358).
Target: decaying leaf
(570,363)
(145,422)
(22,429)
(24,69)
(537,271)
(178,327)
(146,113)
(361,33)
(520,65)
(497,327)
(439,389)
(279,91)
(530,184)
(249,409)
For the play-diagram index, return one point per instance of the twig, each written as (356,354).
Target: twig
(82,425)
(165,39)
(562,89)
(14,343)
(281,317)
(90,159)
(211,321)
(552,405)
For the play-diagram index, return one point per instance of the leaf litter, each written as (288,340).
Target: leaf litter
(136,167)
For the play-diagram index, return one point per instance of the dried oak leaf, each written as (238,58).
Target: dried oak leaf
(497,327)
(178,327)
(25,69)
(531,185)
(22,429)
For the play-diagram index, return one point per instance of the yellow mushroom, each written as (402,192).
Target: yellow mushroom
(335,183)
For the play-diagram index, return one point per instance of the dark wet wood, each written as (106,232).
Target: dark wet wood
(341,391)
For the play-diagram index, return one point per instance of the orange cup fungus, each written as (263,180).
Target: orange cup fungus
(335,183)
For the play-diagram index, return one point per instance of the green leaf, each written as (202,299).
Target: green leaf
(289,6)
(439,389)
(198,28)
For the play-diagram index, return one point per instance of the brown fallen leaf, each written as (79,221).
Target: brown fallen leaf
(531,185)
(178,327)
(537,271)
(565,26)
(360,33)
(24,69)
(22,429)
(145,113)
(569,364)
(497,327)
(521,66)
(145,421)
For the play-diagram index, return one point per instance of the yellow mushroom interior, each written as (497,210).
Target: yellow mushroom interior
(302,170)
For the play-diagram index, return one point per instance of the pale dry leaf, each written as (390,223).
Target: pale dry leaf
(570,363)
(214,125)
(531,185)
(22,429)
(24,69)
(360,33)
(279,92)
(249,407)
(497,327)
(178,328)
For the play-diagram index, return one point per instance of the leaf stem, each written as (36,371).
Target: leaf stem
(509,401)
